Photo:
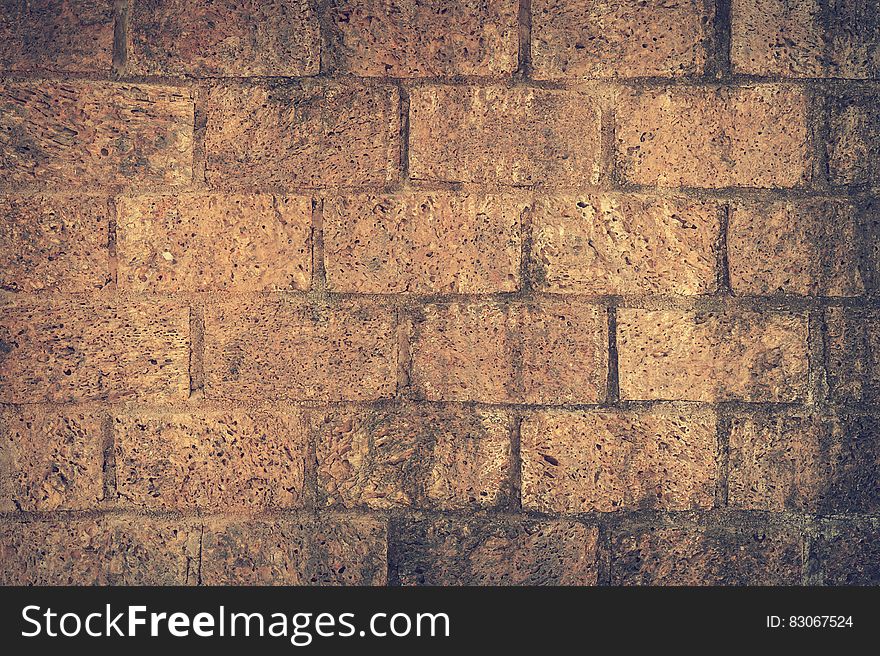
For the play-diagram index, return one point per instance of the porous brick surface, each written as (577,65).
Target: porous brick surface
(846,553)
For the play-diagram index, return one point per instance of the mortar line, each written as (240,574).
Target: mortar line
(722,35)
(200,133)
(196,367)
(404,355)
(121,24)
(524,50)
(722,434)
(725,287)
(112,254)
(318,289)
(514,502)
(108,455)
(604,553)
(403,93)
(612,391)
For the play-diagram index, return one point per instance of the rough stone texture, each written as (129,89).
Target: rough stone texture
(56,243)
(50,460)
(204,242)
(847,554)
(705,356)
(610,460)
(854,138)
(74,349)
(714,556)
(103,551)
(428,243)
(326,551)
(224,38)
(79,133)
(852,342)
(47,35)
(469,352)
(714,137)
(414,456)
(411,38)
(306,133)
(518,135)
(632,38)
(276,348)
(481,551)
(803,247)
(625,244)
(804,463)
(217,460)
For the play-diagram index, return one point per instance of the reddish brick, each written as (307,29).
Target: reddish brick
(276,348)
(705,356)
(854,138)
(217,460)
(202,242)
(50,460)
(409,38)
(57,243)
(414,456)
(80,133)
(852,342)
(74,349)
(625,244)
(754,136)
(422,243)
(224,38)
(305,133)
(519,135)
(847,553)
(102,551)
(628,38)
(604,461)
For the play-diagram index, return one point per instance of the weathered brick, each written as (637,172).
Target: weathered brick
(467,352)
(754,136)
(422,243)
(629,38)
(47,35)
(328,551)
(84,133)
(103,551)
(854,139)
(714,556)
(414,456)
(216,460)
(308,133)
(225,37)
(707,356)
(73,349)
(804,463)
(283,349)
(852,343)
(803,247)
(625,244)
(604,461)
(448,551)
(519,135)
(57,243)
(409,38)
(203,242)
(50,460)
(847,554)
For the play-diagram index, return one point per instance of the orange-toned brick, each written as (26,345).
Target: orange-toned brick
(854,138)
(852,343)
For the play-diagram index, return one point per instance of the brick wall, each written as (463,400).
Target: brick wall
(409,291)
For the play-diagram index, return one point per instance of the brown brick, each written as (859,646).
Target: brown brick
(604,461)
(50,460)
(714,556)
(852,343)
(629,38)
(803,247)
(281,349)
(329,551)
(224,38)
(414,456)
(804,463)
(714,137)
(73,349)
(847,554)
(84,133)
(519,135)
(706,356)
(56,243)
(47,35)
(449,551)
(103,551)
(625,244)
(409,38)
(307,133)
(203,242)
(854,139)
(216,460)
(427,243)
